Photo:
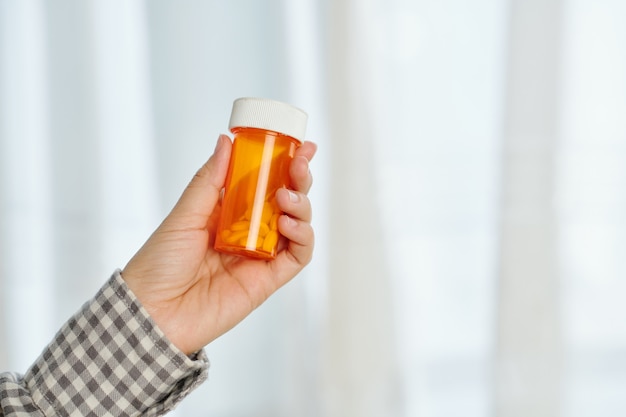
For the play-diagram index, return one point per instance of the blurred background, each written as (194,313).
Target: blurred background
(469,196)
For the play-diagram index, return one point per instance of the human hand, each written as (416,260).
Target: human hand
(195,294)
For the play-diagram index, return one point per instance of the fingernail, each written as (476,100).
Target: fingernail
(290,222)
(293,197)
(220,142)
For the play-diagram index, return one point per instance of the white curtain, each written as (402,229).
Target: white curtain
(469,195)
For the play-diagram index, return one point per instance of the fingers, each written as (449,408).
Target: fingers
(301,242)
(295,226)
(200,197)
(307,149)
(294,204)
(202,194)
(301,178)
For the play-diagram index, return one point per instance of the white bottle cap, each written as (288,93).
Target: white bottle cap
(268,114)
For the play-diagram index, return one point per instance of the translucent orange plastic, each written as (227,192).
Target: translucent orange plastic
(259,165)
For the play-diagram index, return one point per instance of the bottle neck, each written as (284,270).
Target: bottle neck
(254,131)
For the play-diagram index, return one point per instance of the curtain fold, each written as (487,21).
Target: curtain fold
(529,345)
(360,355)
(78,178)
(591,202)
(123,133)
(26,223)
(75,176)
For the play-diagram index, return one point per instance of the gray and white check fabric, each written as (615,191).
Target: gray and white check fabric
(109,359)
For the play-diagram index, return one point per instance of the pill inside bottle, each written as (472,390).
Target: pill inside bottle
(266,136)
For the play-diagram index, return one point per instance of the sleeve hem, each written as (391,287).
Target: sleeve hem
(110,359)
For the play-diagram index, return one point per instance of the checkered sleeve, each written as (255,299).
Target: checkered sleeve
(109,359)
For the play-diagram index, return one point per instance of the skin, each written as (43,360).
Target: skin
(195,294)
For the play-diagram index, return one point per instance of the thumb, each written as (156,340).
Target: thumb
(202,194)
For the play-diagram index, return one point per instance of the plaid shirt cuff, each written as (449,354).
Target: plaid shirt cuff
(110,359)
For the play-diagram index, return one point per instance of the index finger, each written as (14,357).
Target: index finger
(307,149)
(301,178)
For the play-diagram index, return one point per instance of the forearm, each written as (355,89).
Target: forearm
(109,359)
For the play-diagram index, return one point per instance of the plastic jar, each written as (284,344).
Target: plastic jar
(266,136)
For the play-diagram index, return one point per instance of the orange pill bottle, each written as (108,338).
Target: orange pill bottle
(266,135)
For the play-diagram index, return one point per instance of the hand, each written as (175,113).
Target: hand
(196,294)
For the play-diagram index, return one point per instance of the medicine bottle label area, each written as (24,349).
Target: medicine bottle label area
(259,166)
